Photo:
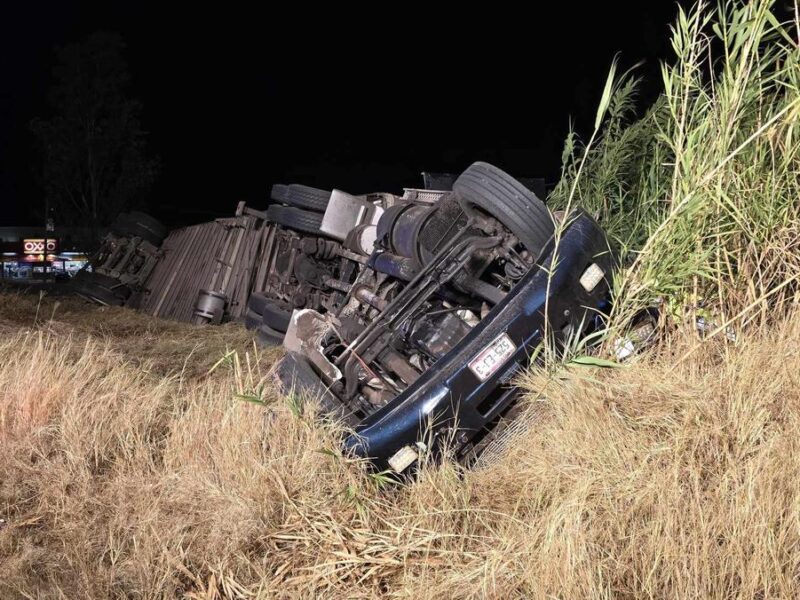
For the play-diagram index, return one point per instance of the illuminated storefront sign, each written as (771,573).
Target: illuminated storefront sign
(24,258)
(37,246)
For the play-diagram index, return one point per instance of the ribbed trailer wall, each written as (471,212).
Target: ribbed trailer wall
(226,255)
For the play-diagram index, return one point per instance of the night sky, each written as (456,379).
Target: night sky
(236,99)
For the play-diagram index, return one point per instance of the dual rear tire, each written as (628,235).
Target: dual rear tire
(138,224)
(299,207)
(268,318)
(100,289)
(301,196)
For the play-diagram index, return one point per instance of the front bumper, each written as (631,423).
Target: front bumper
(449,397)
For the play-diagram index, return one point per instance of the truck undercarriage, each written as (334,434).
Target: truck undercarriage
(414,337)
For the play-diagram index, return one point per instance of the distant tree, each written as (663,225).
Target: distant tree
(94,156)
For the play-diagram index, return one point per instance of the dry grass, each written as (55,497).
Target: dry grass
(656,480)
(166,347)
(129,468)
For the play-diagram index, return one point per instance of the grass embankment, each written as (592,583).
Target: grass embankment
(129,470)
(119,481)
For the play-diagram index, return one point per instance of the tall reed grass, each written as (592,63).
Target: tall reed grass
(701,196)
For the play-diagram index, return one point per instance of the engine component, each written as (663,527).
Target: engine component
(362,239)
(398,365)
(444,222)
(309,271)
(437,334)
(365,295)
(418,231)
(397,266)
(345,212)
(402,235)
(476,287)
(319,248)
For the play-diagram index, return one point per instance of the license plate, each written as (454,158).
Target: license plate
(492,357)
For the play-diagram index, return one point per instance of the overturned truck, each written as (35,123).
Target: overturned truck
(124,261)
(409,316)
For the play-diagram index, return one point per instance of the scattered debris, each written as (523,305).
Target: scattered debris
(641,336)
(705,327)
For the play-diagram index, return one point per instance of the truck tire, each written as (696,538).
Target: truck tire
(140,225)
(507,200)
(148,222)
(136,230)
(119,224)
(103,296)
(303,196)
(94,290)
(257,302)
(261,309)
(109,283)
(252,320)
(295,218)
(279,192)
(266,336)
(276,317)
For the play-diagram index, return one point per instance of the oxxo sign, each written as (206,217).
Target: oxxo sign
(37,246)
